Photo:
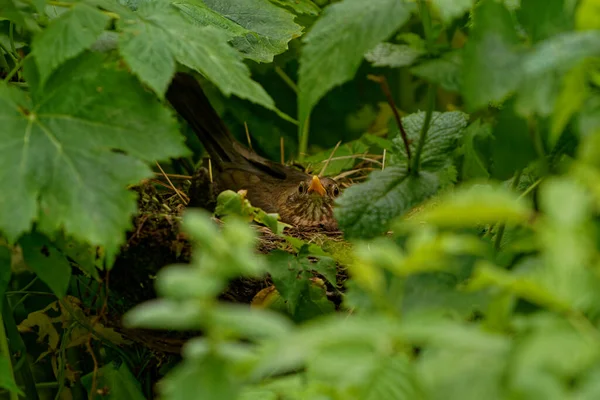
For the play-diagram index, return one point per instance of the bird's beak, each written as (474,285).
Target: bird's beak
(316,186)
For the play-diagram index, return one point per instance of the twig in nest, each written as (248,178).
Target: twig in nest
(388,94)
(177,191)
(174,176)
(248,135)
(281,149)
(329,159)
(171,183)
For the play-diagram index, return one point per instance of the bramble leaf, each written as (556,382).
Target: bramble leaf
(59,164)
(257,28)
(365,210)
(335,45)
(300,6)
(67,36)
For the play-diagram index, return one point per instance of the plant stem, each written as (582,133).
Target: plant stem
(424,129)
(286,79)
(15,70)
(303,145)
(12,38)
(502,226)
(427,26)
(5,351)
(388,94)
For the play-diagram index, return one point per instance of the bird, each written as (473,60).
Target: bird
(300,199)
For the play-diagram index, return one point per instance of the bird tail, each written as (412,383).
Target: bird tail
(188,99)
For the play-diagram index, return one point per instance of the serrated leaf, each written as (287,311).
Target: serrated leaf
(451,9)
(571,98)
(145,50)
(335,45)
(204,49)
(445,130)
(393,55)
(512,147)
(67,36)
(365,210)
(300,6)
(445,71)
(47,262)
(62,140)
(492,64)
(472,206)
(258,29)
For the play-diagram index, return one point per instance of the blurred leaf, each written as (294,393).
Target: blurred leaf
(300,6)
(257,28)
(67,36)
(445,130)
(231,203)
(445,71)
(393,55)
(119,380)
(475,205)
(512,147)
(473,167)
(165,314)
(543,19)
(337,42)
(71,129)
(538,95)
(450,9)
(204,378)
(571,98)
(492,65)
(7,380)
(587,15)
(47,262)
(365,210)
(250,323)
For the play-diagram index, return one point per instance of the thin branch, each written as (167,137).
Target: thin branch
(248,135)
(286,79)
(282,149)
(388,94)
(329,159)
(383,160)
(171,183)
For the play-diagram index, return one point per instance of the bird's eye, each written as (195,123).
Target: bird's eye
(336,191)
(301,188)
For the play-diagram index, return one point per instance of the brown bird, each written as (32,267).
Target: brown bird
(299,199)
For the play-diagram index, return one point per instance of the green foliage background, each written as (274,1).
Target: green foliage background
(473,260)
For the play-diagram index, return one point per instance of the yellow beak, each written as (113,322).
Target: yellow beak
(316,186)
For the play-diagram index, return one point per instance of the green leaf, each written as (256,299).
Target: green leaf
(444,71)
(231,203)
(512,147)
(251,323)
(145,50)
(47,262)
(300,6)
(478,204)
(67,36)
(393,55)
(337,42)
(258,29)
(87,257)
(571,98)
(492,65)
(445,130)
(451,9)
(543,19)
(204,49)
(63,139)
(473,166)
(365,210)
(5,268)
(587,15)
(120,381)
(19,12)
(7,381)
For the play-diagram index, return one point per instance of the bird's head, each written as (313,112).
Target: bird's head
(310,203)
